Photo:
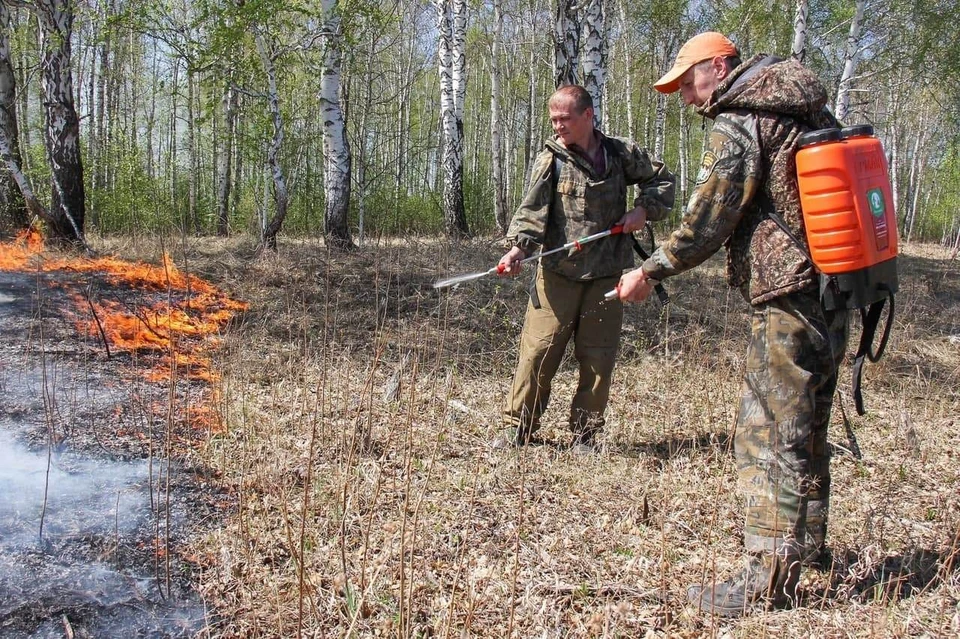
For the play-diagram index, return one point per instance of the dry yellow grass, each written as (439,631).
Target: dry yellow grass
(366,501)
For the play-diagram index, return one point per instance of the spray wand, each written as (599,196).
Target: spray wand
(499,268)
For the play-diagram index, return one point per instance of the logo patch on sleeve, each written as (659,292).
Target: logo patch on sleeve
(707,163)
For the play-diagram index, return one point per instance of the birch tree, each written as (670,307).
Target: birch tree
(227,40)
(850,59)
(594,56)
(192,218)
(362,138)
(13,220)
(499,188)
(799,48)
(404,68)
(269,230)
(13,212)
(566,39)
(61,124)
(100,75)
(336,148)
(451,27)
(224,179)
(660,125)
(627,42)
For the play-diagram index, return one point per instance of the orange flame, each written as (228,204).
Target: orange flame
(167,311)
(15,255)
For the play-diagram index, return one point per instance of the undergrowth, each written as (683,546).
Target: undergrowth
(366,500)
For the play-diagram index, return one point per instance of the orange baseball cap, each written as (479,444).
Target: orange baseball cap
(704,46)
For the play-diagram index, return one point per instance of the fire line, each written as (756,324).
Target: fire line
(136,307)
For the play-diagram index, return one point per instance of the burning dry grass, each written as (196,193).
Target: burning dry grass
(134,307)
(359,403)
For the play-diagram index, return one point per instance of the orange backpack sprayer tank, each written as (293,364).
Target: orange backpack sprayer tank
(851,228)
(848,212)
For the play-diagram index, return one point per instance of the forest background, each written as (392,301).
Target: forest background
(330,118)
(356,403)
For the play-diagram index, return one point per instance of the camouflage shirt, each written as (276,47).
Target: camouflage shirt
(759,111)
(577,202)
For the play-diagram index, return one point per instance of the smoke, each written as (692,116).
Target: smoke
(71,575)
(76,497)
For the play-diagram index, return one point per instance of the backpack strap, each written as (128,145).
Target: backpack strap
(767,207)
(870,319)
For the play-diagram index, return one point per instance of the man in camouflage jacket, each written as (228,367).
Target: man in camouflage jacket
(578,187)
(760,107)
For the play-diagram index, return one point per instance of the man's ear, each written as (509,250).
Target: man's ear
(720,67)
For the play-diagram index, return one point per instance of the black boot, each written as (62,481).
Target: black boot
(765,580)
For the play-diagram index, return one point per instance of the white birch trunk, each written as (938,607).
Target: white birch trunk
(363,157)
(96,132)
(171,167)
(499,188)
(628,66)
(459,60)
(13,212)
(659,126)
(336,149)
(917,161)
(850,59)
(24,100)
(451,32)
(134,90)
(229,105)
(893,156)
(152,115)
(799,48)
(268,237)
(566,48)
(912,187)
(192,154)
(61,126)
(405,69)
(594,57)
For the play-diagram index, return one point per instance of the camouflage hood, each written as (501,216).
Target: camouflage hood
(778,100)
(770,84)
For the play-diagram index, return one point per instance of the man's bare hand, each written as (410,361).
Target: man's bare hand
(511,262)
(633,220)
(635,286)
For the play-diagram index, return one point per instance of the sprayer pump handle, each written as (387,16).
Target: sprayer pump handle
(616,229)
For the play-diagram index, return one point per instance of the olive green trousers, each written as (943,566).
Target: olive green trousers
(567,309)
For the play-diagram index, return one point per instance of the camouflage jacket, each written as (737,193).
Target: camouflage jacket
(759,111)
(577,202)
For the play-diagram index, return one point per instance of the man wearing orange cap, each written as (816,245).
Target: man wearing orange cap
(747,174)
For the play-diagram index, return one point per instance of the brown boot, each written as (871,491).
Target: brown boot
(765,580)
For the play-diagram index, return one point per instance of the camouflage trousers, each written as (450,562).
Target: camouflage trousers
(567,308)
(783,459)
